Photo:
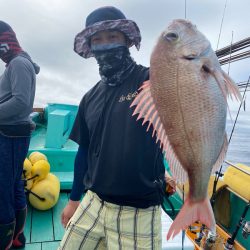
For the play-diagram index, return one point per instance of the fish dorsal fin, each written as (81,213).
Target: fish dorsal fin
(146,109)
(221,156)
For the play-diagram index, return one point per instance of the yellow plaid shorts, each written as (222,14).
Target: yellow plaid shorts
(97,224)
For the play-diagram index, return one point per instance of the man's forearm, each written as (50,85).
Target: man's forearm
(80,169)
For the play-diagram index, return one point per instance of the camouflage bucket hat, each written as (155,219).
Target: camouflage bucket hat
(106,18)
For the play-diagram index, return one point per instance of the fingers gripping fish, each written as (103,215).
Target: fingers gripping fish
(185,101)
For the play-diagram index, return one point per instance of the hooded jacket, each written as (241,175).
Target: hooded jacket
(17,92)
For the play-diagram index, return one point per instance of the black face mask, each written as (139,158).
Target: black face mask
(9,46)
(113,61)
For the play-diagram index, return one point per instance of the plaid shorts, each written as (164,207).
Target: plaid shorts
(97,224)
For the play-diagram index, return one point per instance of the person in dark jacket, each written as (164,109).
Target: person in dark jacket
(17,92)
(120,163)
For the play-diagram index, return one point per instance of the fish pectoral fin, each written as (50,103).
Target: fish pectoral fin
(208,69)
(221,156)
(146,109)
(226,85)
(219,78)
(232,88)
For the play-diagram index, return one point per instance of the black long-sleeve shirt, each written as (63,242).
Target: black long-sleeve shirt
(125,164)
(80,169)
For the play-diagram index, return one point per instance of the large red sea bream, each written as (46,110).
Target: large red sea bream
(185,101)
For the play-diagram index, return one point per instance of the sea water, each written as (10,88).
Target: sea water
(239,145)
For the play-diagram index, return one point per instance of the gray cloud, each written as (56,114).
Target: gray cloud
(46,30)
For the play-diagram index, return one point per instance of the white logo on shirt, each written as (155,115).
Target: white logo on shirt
(128,97)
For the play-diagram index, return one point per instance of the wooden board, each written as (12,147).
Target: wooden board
(50,245)
(33,246)
(27,229)
(44,227)
(57,210)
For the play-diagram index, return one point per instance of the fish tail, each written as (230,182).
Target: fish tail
(190,213)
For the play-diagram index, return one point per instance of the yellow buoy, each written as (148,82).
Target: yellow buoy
(40,170)
(37,156)
(45,193)
(28,182)
(26,167)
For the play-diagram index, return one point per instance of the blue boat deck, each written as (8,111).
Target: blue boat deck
(43,229)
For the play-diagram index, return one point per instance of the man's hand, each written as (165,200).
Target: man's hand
(68,212)
(170,184)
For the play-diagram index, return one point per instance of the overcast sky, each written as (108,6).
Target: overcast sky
(46,30)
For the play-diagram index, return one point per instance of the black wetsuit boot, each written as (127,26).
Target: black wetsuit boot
(6,235)
(19,238)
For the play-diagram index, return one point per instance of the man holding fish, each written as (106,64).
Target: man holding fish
(121,164)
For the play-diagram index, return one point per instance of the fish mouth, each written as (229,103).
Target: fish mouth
(193,56)
(190,57)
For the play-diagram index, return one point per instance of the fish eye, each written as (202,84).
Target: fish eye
(171,36)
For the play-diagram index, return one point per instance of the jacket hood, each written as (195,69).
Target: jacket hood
(26,55)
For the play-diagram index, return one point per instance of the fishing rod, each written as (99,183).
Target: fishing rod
(183,231)
(218,173)
(216,179)
(185,9)
(230,241)
(222,20)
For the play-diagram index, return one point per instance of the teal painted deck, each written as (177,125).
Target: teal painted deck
(43,229)
(50,137)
